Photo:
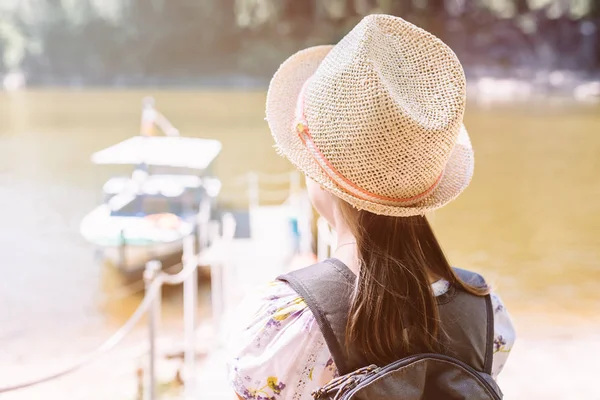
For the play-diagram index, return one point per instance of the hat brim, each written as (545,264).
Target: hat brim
(282,97)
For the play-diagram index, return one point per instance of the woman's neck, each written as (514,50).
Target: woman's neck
(346,250)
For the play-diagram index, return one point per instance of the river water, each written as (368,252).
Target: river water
(530,220)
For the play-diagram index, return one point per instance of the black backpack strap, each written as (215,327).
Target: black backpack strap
(477,280)
(327,288)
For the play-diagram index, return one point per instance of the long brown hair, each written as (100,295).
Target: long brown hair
(394,312)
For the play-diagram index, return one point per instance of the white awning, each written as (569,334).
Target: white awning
(168,151)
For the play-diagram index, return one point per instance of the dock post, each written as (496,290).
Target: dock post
(190,305)
(216,277)
(122,250)
(225,275)
(202,220)
(152,270)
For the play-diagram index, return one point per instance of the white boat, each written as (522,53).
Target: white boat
(146,216)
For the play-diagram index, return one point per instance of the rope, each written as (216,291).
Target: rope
(107,346)
(274,195)
(153,290)
(266,193)
(115,339)
(283,177)
(181,276)
(136,287)
(274,178)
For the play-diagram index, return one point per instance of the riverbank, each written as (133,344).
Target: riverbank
(483,85)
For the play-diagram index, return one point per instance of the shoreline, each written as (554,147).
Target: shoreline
(492,85)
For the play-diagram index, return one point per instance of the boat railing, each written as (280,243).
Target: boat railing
(154,279)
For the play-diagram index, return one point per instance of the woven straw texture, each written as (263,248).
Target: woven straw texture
(382,112)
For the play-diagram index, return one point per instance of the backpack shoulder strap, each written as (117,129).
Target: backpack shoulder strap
(327,289)
(487,335)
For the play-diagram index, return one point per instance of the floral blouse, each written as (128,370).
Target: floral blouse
(277,352)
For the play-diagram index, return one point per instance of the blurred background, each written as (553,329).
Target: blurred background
(74,73)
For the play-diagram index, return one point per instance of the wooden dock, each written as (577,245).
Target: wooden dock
(245,263)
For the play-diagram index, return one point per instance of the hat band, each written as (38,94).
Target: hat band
(340,180)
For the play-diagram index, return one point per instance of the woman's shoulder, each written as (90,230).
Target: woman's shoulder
(503,325)
(274,305)
(504,331)
(504,334)
(275,347)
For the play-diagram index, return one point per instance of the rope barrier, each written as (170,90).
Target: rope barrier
(181,276)
(273,195)
(255,191)
(283,177)
(263,193)
(263,177)
(107,346)
(151,297)
(245,192)
(154,289)
(136,287)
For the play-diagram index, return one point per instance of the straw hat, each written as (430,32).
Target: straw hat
(376,119)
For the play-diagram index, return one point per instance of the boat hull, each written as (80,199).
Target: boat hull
(132,259)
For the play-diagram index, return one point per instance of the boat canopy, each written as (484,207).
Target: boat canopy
(167,151)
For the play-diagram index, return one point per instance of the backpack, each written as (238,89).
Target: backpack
(461,371)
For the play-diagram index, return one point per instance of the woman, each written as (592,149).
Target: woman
(375,124)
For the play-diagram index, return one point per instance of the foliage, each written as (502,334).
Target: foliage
(202,41)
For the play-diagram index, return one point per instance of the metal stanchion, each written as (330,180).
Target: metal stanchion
(216,275)
(122,250)
(190,305)
(226,276)
(151,272)
(204,218)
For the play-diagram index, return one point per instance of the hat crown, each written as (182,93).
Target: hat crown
(385,107)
